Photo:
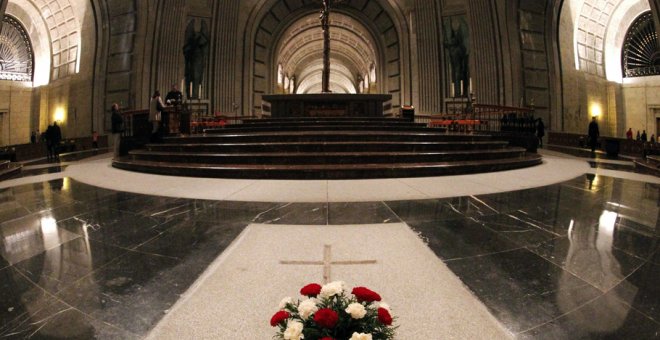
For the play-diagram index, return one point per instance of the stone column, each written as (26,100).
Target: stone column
(3,7)
(655,8)
(485,52)
(428,53)
(226,58)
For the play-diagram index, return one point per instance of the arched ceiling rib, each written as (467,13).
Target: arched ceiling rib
(591,27)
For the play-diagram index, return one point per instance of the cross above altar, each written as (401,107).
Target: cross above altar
(327,263)
(325,24)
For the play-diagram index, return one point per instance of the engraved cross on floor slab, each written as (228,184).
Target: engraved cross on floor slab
(327,263)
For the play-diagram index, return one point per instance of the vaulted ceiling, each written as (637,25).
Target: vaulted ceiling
(300,53)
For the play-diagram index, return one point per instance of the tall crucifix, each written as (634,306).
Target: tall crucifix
(325,24)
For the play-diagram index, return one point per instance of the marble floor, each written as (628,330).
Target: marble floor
(579,258)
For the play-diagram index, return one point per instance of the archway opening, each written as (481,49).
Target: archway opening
(299,56)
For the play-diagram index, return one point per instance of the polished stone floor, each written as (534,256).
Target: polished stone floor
(579,259)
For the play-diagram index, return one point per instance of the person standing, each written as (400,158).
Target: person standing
(48,136)
(156,108)
(117,129)
(56,139)
(639,136)
(174,97)
(629,134)
(594,133)
(540,131)
(95,139)
(644,137)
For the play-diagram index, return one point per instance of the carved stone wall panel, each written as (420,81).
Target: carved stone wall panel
(225,60)
(486,56)
(122,16)
(429,66)
(535,61)
(168,61)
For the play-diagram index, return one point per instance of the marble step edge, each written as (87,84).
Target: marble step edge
(11,170)
(427,132)
(326,170)
(345,142)
(337,154)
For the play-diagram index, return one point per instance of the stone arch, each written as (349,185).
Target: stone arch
(16,53)
(36,28)
(65,36)
(269,21)
(599,33)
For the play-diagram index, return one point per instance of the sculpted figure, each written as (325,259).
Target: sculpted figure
(195,50)
(458,51)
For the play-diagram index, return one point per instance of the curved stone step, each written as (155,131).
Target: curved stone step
(326,171)
(327,136)
(326,119)
(341,146)
(325,157)
(290,128)
(9,169)
(329,122)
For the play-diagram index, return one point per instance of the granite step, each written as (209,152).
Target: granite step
(320,146)
(649,165)
(9,169)
(326,171)
(327,136)
(356,120)
(288,128)
(329,123)
(325,157)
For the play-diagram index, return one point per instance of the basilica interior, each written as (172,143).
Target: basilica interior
(477,228)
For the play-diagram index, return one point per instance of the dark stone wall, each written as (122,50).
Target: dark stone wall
(120,58)
(533,21)
(3,7)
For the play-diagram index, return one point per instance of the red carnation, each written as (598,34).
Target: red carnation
(363,294)
(279,317)
(311,290)
(384,316)
(326,318)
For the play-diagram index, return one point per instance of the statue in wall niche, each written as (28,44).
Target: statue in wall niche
(456,41)
(195,50)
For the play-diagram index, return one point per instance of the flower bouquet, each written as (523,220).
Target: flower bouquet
(329,313)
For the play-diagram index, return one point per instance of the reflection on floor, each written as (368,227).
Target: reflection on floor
(574,260)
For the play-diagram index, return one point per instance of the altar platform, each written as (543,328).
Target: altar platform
(327,105)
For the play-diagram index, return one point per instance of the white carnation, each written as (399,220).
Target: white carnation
(307,308)
(333,288)
(356,310)
(286,301)
(293,330)
(361,336)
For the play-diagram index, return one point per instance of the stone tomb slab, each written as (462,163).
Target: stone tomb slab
(241,290)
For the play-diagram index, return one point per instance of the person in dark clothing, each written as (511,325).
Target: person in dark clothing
(593,134)
(33,137)
(639,137)
(95,139)
(540,131)
(48,137)
(117,129)
(174,97)
(644,137)
(56,139)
